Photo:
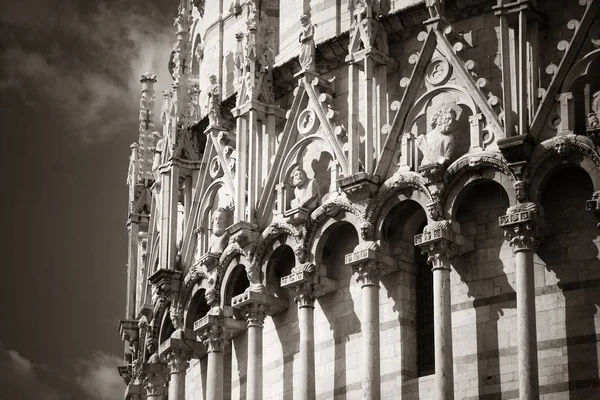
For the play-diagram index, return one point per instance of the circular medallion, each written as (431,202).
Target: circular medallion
(215,169)
(438,71)
(307,122)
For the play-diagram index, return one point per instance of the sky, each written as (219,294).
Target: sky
(69,104)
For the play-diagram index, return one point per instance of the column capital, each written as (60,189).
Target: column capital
(442,243)
(370,263)
(178,360)
(253,304)
(308,286)
(216,331)
(520,226)
(155,378)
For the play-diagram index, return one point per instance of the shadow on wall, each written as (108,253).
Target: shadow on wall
(483,271)
(338,306)
(571,252)
(280,264)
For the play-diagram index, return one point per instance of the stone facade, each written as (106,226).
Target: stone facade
(368,199)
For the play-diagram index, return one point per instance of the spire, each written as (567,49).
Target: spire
(145,144)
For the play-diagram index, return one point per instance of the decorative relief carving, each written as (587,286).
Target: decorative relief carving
(306,191)
(219,237)
(437,145)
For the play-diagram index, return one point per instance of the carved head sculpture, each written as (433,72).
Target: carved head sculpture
(212,297)
(435,211)
(304,20)
(299,177)
(562,146)
(519,187)
(443,120)
(301,253)
(212,79)
(366,230)
(219,221)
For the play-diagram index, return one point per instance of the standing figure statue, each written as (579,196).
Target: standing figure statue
(593,119)
(437,145)
(307,44)
(435,8)
(214,102)
(306,191)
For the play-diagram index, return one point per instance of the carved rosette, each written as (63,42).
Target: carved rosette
(521,227)
(440,244)
(177,360)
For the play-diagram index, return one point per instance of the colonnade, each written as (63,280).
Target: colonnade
(440,240)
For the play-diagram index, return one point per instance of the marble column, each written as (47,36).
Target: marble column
(441,244)
(368,276)
(216,332)
(178,363)
(307,286)
(255,317)
(370,264)
(305,298)
(520,227)
(215,340)
(255,306)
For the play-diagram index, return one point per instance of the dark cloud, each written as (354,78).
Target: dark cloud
(95,378)
(84,62)
(19,380)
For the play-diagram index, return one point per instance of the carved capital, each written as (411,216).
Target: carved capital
(306,294)
(177,360)
(442,244)
(368,273)
(369,263)
(307,286)
(520,226)
(255,314)
(216,331)
(155,384)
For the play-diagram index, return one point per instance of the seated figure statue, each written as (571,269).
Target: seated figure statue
(437,145)
(219,237)
(306,191)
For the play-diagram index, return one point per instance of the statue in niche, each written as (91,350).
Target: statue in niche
(307,44)
(219,238)
(306,191)
(437,145)
(214,102)
(593,119)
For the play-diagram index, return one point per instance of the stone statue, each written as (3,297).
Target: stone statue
(307,44)
(219,237)
(214,102)
(593,120)
(157,150)
(306,191)
(437,145)
(435,7)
